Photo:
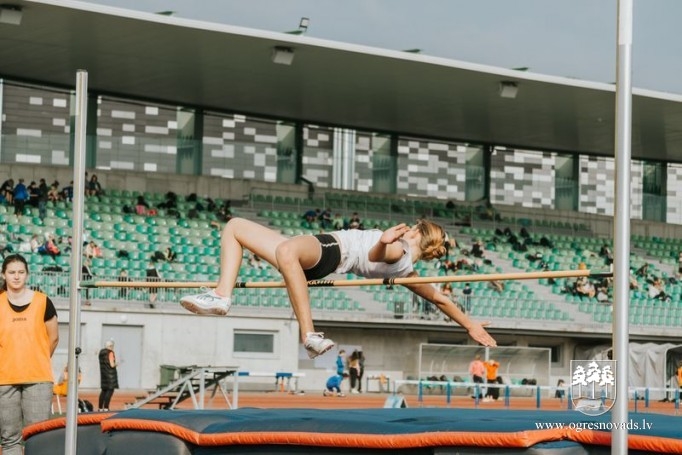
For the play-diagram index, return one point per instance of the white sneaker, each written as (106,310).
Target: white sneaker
(354,391)
(316,344)
(207,302)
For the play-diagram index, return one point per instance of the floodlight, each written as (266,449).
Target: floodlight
(508,89)
(282,55)
(10,14)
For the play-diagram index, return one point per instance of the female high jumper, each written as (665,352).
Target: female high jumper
(367,253)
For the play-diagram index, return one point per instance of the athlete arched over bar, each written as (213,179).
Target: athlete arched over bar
(368,253)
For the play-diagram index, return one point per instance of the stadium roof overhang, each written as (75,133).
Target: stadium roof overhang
(226,68)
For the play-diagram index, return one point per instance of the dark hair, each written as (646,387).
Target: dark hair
(13,258)
(8,260)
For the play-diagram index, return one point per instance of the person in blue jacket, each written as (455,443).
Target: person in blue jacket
(341,362)
(334,386)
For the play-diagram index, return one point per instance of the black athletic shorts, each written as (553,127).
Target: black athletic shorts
(329,259)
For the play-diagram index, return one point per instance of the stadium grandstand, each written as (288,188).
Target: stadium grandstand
(521,184)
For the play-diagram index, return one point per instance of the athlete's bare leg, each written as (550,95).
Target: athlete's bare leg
(289,255)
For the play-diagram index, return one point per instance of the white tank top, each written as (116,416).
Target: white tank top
(355,245)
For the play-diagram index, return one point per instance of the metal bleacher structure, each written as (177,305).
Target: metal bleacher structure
(192,383)
(196,243)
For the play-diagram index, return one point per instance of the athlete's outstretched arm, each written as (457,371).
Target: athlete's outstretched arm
(476,329)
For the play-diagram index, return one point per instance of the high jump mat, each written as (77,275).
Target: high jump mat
(353,431)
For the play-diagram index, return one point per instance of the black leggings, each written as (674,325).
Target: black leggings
(354,378)
(104,398)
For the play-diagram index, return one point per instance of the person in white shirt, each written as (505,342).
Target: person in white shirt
(368,253)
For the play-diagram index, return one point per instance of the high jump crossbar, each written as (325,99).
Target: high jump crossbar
(356,282)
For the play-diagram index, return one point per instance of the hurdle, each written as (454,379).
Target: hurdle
(283,380)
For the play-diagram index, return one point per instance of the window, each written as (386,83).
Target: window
(555,352)
(254,342)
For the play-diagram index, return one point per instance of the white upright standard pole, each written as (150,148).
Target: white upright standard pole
(621,234)
(76,253)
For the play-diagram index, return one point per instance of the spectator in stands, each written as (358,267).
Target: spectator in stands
(87,275)
(210,205)
(49,247)
(53,194)
(447,266)
(584,287)
(388,254)
(477,372)
(643,271)
(325,219)
(533,257)
(123,277)
(7,191)
(338,222)
(464,263)
(602,292)
(29,335)
(224,214)
(31,246)
(33,194)
(64,243)
(657,290)
(141,206)
(170,201)
(605,253)
(67,192)
(42,199)
(451,246)
(169,254)
(354,221)
(333,386)
(92,250)
(544,241)
(21,197)
(477,249)
(466,292)
(154,276)
(634,285)
(94,188)
(311,215)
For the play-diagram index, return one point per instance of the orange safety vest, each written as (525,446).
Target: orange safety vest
(679,376)
(491,370)
(24,343)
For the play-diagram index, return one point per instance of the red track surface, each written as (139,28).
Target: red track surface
(272,400)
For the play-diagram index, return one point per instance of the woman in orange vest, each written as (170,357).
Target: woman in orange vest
(29,334)
(491,367)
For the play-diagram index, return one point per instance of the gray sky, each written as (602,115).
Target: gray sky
(572,38)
